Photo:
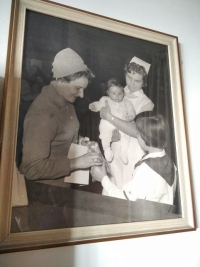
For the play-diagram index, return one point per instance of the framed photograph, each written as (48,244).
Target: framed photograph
(61,183)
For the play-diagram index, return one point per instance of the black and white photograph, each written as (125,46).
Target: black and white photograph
(96,128)
(108,92)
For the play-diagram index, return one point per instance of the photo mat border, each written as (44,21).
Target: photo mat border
(50,238)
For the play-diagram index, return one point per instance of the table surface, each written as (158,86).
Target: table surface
(55,207)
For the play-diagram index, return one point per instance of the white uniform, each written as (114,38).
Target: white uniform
(122,173)
(154,182)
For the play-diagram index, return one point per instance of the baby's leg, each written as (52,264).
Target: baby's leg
(124,143)
(106,129)
(107,150)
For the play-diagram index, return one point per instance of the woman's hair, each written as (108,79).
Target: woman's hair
(153,130)
(133,68)
(113,82)
(87,73)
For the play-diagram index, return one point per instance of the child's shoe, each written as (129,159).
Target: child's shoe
(108,154)
(124,158)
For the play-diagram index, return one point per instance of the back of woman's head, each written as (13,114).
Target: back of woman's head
(153,130)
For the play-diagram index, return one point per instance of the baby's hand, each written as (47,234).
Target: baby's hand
(92,107)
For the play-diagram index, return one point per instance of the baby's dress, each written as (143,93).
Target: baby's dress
(122,110)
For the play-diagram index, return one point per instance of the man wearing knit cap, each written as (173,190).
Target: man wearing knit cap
(51,124)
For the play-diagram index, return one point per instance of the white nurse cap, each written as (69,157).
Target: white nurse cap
(141,62)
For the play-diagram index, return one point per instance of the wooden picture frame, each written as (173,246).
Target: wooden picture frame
(86,29)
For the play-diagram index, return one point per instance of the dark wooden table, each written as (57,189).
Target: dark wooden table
(53,207)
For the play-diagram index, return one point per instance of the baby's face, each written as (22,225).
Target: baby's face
(116,93)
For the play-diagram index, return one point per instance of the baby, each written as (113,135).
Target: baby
(121,108)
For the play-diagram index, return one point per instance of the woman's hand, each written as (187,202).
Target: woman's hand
(105,112)
(98,172)
(86,161)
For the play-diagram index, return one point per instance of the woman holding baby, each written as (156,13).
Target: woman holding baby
(149,173)
(136,79)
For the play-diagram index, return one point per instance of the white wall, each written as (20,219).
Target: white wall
(176,17)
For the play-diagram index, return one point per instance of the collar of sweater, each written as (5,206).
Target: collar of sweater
(52,93)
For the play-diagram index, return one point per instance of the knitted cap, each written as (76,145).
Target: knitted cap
(142,63)
(67,62)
